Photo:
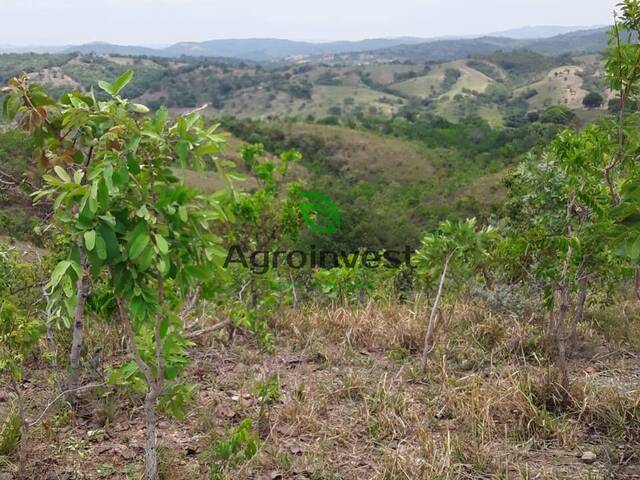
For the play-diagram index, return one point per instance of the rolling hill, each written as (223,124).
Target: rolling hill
(488,85)
(543,39)
(444,50)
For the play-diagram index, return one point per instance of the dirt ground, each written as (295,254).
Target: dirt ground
(355,405)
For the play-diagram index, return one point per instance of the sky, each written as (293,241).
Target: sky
(163,22)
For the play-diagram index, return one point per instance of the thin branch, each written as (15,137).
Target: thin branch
(142,365)
(66,392)
(213,328)
(199,109)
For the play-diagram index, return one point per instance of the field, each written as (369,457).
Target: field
(368,156)
(562,86)
(431,84)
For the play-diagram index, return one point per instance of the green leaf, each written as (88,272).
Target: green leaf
(236,176)
(58,273)
(182,149)
(162,244)
(64,176)
(208,149)
(145,260)
(138,244)
(121,82)
(182,213)
(59,200)
(139,108)
(78,175)
(106,86)
(101,248)
(11,106)
(90,239)
(109,236)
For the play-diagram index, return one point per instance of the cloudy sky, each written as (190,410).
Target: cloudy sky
(153,22)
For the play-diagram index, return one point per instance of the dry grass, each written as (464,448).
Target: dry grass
(356,405)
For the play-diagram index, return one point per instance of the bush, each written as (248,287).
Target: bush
(558,115)
(593,100)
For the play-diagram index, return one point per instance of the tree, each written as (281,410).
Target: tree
(456,248)
(558,224)
(593,100)
(558,114)
(132,224)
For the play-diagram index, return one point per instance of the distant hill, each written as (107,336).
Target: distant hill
(254,49)
(31,49)
(550,40)
(540,31)
(585,41)
(269,49)
(103,48)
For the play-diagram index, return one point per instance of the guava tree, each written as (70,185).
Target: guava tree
(131,223)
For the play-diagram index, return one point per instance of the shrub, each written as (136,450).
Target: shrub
(593,100)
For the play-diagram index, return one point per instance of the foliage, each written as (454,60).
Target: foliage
(351,282)
(461,245)
(558,114)
(10,433)
(593,100)
(240,447)
(19,336)
(132,223)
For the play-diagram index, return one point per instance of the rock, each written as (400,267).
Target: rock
(588,457)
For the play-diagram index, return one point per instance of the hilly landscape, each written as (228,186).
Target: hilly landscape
(548,39)
(404,258)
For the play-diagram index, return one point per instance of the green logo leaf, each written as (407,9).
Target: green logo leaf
(320,213)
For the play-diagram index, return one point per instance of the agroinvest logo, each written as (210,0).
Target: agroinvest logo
(321,215)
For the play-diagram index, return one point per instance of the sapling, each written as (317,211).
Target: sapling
(134,225)
(457,247)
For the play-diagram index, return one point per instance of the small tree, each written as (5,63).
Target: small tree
(133,225)
(593,100)
(458,248)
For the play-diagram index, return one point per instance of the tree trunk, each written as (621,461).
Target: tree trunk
(78,330)
(582,298)
(24,430)
(151,436)
(154,384)
(434,310)
(560,334)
